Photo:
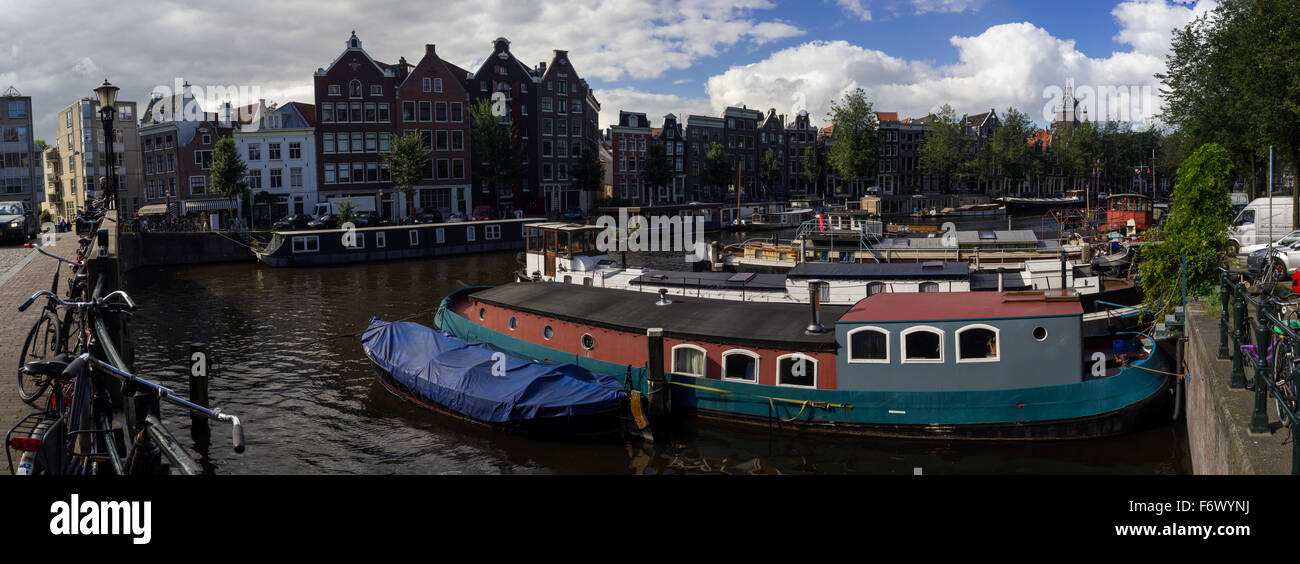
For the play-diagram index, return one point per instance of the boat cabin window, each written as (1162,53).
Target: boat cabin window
(875,288)
(869,345)
(796,370)
(688,360)
(922,345)
(978,343)
(548,333)
(740,365)
(550,241)
(929,287)
(534,239)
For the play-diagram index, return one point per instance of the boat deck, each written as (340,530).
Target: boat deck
(760,323)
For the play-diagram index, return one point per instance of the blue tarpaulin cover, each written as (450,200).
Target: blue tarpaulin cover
(459,376)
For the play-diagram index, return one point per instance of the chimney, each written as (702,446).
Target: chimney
(428,48)
(814,300)
(541,66)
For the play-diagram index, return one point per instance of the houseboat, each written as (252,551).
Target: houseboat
(333,246)
(1129,213)
(985,365)
(1071,199)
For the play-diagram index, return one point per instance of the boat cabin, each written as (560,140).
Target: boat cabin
(960,341)
(1129,213)
(562,248)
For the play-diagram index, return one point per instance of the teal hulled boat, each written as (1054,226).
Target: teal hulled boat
(1001,365)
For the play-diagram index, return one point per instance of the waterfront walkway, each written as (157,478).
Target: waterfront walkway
(24,273)
(1218,417)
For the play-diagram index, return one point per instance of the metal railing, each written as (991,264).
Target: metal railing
(1234,298)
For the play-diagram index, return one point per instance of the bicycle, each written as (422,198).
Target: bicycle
(48,336)
(1280,359)
(74,434)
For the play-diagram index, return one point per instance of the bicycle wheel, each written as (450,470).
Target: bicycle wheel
(1284,382)
(45,340)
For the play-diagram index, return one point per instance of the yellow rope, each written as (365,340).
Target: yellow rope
(805,403)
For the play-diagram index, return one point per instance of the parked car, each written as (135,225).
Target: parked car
(428,215)
(482,213)
(1286,240)
(17,221)
(325,221)
(292,222)
(1285,257)
(455,217)
(366,219)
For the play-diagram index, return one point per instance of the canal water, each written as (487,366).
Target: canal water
(289,363)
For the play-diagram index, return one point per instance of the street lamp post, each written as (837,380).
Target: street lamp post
(107,94)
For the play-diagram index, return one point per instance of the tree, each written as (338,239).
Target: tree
(658,169)
(408,161)
(496,152)
(813,169)
(347,211)
(769,174)
(855,149)
(588,172)
(718,171)
(229,173)
(1196,229)
(943,150)
(1010,146)
(42,145)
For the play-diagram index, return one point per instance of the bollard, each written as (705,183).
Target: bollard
(199,368)
(1223,315)
(657,385)
(1238,379)
(1259,419)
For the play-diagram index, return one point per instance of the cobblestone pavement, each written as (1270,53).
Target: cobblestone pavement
(14,326)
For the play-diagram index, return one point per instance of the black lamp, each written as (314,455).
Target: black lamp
(107,94)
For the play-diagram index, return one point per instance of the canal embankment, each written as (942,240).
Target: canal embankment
(138,250)
(1219,417)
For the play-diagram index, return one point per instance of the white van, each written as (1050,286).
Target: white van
(1261,221)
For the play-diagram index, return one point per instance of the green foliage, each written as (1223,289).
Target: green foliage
(408,160)
(46,217)
(1196,228)
(347,211)
(496,156)
(228,172)
(658,169)
(717,171)
(813,169)
(588,172)
(770,172)
(855,147)
(944,149)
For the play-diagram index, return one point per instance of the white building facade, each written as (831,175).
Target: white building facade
(280,152)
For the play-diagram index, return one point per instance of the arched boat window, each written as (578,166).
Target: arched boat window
(482,313)
(875,288)
(740,365)
(978,343)
(929,286)
(688,360)
(869,345)
(922,344)
(796,370)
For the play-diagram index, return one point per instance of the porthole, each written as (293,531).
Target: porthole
(547,332)
(1040,333)
(588,342)
(513,324)
(482,313)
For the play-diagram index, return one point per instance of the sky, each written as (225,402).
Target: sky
(652,56)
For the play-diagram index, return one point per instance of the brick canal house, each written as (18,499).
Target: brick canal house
(435,99)
(771,136)
(629,140)
(675,149)
(502,72)
(742,148)
(800,136)
(177,139)
(356,101)
(569,115)
(701,133)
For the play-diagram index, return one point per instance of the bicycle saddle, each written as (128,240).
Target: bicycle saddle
(52,366)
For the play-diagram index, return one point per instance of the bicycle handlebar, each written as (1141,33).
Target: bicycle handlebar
(130,304)
(165,393)
(57,257)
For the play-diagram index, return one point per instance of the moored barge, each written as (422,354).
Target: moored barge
(990,365)
(390,242)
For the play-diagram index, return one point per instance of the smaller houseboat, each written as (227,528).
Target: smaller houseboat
(333,246)
(1129,213)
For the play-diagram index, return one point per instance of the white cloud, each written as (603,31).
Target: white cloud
(246,42)
(855,9)
(948,6)
(655,106)
(1009,64)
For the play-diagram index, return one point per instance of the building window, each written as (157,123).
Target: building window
(295,150)
(456,112)
(440,111)
(255,179)
(354,89)
(370,112)
(426,84)
(689,360)
(929,287)
(869,345)
(384,146)
(198,184)
(437,85)
(469,233)
(329,173)
(295,178)
(740,365)
(408,111)
(273,151)
(922,345)
(796,370)
(426,111)
(277,178)
(383,113)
